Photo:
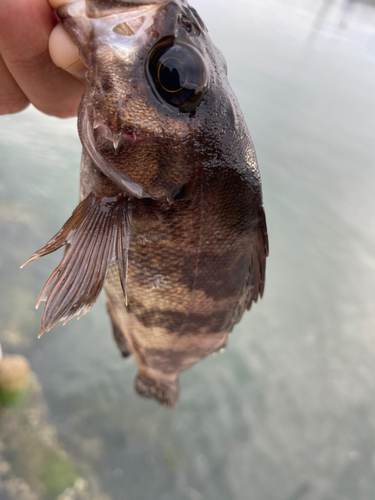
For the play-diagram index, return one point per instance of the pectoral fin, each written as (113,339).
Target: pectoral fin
(96,234)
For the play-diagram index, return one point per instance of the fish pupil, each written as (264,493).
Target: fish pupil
(172,75)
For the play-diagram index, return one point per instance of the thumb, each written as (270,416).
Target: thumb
(62,50)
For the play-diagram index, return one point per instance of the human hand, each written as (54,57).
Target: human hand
(29,72)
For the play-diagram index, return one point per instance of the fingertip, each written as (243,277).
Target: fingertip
(13,107)
(55,4)
(65,54)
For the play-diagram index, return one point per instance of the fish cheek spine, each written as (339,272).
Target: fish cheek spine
(171,220)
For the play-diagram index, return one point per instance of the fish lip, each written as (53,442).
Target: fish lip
(125,135)
(134,137)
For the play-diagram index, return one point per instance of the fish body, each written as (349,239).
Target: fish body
(171,219)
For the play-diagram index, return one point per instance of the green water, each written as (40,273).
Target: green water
(288,412)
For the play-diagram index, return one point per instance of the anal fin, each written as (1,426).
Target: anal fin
(96,234)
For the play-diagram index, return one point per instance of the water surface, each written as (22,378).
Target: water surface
(288,412)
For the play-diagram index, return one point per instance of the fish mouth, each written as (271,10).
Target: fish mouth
(125,134)
(104,132)
(133,137)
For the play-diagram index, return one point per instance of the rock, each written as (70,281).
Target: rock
(14,378)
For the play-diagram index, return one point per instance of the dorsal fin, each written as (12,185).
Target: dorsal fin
(96,234)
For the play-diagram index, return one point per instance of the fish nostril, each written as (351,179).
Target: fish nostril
(123,29)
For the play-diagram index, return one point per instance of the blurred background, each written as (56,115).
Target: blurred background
(288,411)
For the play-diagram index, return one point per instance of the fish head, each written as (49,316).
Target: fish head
(158,106)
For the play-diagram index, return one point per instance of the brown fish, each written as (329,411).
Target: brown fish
(171,219)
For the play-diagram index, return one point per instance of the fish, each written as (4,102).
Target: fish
(171,220)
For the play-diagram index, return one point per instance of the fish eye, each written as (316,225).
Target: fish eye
(178,75)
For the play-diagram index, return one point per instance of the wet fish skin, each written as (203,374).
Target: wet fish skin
(198,239)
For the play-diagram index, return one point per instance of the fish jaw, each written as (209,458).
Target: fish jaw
(119,178)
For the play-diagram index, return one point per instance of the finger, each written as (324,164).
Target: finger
(64,53)
(12,99)
(25,29)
